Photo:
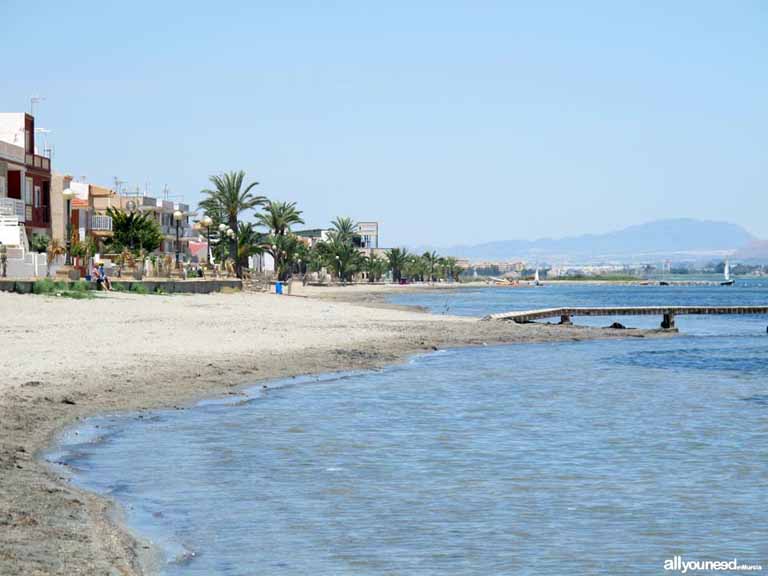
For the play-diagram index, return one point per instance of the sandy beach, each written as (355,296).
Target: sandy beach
(64,360)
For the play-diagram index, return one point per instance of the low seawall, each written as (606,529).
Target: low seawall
(152,286)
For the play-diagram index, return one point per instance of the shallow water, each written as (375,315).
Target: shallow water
(569,458)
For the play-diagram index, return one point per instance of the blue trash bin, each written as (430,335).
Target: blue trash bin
(278,287)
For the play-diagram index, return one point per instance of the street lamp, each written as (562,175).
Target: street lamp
(233,248)
(130,206)
(207,221)
(68,194)
(177,216)
(220,241)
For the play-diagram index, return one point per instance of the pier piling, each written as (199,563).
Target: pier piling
(668,321)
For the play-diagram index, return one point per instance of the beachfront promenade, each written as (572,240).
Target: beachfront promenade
(667,313)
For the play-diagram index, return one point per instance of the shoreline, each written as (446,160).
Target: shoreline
(118,353)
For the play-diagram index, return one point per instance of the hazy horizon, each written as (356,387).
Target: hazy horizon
(449,123)
(606,232)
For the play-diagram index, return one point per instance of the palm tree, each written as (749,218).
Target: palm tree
(431,260)
(136,231)
(284,250)
(344,228)
(452,268)
(341,255)
(278,217)
(249,242)
(227,200)
(416,267)
(397,258)
(375,266)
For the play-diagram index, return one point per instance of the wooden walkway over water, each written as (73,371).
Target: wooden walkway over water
(667,313)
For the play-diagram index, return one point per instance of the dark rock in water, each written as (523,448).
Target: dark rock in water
(617,326)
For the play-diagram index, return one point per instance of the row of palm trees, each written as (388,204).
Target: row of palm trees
(427,267)
(230,197)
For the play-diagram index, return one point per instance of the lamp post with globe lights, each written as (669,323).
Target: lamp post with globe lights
(177,217)
(130,206)
(220,241)
(232,234)
(206,222)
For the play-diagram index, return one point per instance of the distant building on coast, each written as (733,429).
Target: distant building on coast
(312,236)
(368,235)
(366,238)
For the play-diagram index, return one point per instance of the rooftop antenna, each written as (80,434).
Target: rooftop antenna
(32,101)
(165,191)
(118,184)
(44,132)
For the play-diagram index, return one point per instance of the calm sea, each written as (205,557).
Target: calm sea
(569,458)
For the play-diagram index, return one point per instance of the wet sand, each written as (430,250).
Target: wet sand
(62,360)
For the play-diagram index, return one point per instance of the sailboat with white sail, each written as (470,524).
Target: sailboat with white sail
(727,280)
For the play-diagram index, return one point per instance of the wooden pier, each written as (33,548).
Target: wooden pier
(667,313)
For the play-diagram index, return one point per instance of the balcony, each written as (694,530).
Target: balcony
(185,231)
(100,223)
(13,207)
(40,162)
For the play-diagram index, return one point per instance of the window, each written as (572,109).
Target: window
(3,187)
(38,197)
(28,191)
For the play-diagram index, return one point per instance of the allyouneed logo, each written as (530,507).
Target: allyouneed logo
(677,564)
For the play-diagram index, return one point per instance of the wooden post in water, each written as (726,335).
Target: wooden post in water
(668,323)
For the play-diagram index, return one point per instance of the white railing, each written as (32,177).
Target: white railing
(100,222)
(13,207)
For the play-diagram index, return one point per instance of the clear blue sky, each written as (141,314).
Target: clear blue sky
(449,122)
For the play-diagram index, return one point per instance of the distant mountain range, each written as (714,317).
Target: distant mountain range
(755,252)
(681,239)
